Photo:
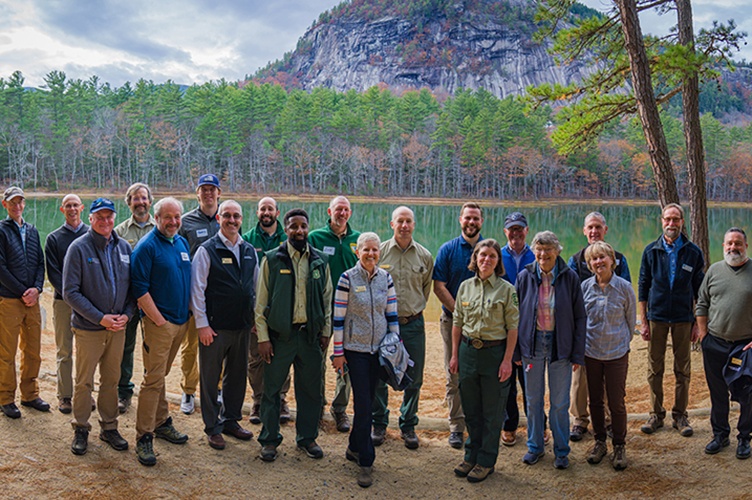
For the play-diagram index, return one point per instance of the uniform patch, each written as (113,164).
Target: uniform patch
(353,247)
(514,300)
(316,274)
(226,260)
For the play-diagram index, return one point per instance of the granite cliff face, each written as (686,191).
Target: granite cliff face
(467,48)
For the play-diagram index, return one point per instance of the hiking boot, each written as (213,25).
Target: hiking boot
(653,424)
(479,473)
(114,439)
(268,453)
(577,433)
(65,405)
(597,452)
(124,404)
(351,455)
(378,436)
(455,439)
(145,450)
(411,440)
(463,469)
(681,424)
(168,432)
(255,414)
(619,459)
(312,449)
(365,478)
(284,412)
(188,403)
(80,441)
(508,438)
(341,420)
(717,444)
(743,450)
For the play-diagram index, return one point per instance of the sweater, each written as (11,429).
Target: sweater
(725,298)
(55,247)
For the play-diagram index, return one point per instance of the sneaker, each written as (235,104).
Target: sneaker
(411,440)
(378,436)
(341,420)
(479,473)
(463,469)
(284,412)
(168,432)
(619,459)
(577,433)
(365,478)
(681,424)
(508,438)
(255,414)
(268,453)
(124,404)
(531,458)
(653,424)
(561,463)
(743,449)
(717,444)
(114,439)
(456,439)
(65,405)
(145,450)
(597,452)
(80,441)
(312,449)
(188,403)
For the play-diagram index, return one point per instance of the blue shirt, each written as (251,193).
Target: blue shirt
(672,249)
(451,264)
(611,315)
(162,268)
(514,263)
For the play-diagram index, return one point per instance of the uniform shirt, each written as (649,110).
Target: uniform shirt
(131,231)
(451,264)
(486,309)
(726,299)
(264,242)
(411,270)
(341,251)
(611,315)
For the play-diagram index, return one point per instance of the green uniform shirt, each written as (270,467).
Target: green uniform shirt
(411,270)
(341,252)
(262,241)
(486,309)
(131,232)
(725,297)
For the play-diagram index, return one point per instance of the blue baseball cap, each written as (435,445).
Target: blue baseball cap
(101,204)
(208,180)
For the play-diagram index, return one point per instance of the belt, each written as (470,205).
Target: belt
(403,320)
(482,344)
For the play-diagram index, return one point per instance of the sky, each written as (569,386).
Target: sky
(195,41)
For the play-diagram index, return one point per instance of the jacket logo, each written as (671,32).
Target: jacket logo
(92,260)
(316,274)
(353,247)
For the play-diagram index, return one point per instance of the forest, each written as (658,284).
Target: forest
(264,138)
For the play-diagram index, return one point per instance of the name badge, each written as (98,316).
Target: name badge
(385,266)
(92,260)
(185,256)
(226,260)
(329,250)
(201,233)
(125,259)
(465,304)
(687,268)
(285,271)
(359,289)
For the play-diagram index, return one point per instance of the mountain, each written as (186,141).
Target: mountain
(443,45)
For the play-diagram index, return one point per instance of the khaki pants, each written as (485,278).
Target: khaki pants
(256,373)
(578,405)
(61,313)
(456,415)
(681,341)
(18,321)
(161,344)
(189,359)
(94,348)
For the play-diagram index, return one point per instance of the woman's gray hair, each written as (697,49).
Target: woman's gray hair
(364,237)
(546,239)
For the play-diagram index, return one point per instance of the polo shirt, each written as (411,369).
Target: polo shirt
(451,265)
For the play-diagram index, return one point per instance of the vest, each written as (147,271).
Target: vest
(281,303)
(230,293)
(582,269)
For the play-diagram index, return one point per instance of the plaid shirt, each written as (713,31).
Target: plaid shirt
(611,313)
(546,304)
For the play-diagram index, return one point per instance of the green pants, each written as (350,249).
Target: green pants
(484,400)
(305,356)
(414,338)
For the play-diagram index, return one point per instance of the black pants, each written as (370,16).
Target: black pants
(364,374)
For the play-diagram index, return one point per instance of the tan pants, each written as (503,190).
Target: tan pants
(456,415)
(578,406)
(94,348)
(256,373)
(25,323)
(61,313)
(189,359)
(681,341)
(161,344)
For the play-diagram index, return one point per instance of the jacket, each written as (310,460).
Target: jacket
(19,269)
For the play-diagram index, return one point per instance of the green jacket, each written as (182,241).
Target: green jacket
(341,252)
(262,242)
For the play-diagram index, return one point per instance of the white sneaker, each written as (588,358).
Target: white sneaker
(188,404)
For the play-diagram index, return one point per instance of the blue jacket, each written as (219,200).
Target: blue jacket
(666,303)
(569,314)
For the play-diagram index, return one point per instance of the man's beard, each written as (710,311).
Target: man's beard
(299,245)
(735,259)
(267,221)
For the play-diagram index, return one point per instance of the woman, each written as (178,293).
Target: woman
(365,307)
(484,334)
(551,337)
(611,308)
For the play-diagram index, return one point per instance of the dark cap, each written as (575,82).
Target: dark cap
(13,192)
(515,219)
(101,204)
(208,180)
(738,373)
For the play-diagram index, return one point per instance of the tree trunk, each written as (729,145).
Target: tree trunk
(646,106)
(693,136)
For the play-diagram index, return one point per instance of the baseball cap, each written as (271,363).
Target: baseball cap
(515,219)
(738,373)
(13,192)
(208,180)
(101,204)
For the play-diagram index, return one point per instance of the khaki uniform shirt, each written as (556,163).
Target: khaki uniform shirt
(411,270)
(131,232)
(487,309)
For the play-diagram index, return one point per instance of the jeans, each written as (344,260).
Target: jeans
(559,381)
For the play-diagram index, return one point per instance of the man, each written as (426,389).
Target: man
(449,271)
(337,241)
(267,234)
(670,276)
(411,267)
(96,278)
(139,224)
(293,321)
(594,229)
(516,254)
(223,278)
(21,282)
(198,225)
(56,246)
(723,311)
(161,282)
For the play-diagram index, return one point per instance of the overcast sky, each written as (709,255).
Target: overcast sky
(193,41)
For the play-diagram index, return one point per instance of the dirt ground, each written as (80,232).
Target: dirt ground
(36,462)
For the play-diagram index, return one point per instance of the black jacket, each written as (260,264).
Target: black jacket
(19,269)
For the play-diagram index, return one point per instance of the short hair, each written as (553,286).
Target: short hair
(673,205)
(365,237)
(487,243)
(403,207)
(276,205)
(471,204)
(295,212)
(735,230)
(165,201)
(600,248)
(595,215)
(337,199)
(132,190)
(221,206)
(546,239)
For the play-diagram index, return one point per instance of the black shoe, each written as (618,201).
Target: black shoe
(577,433)
(80,441)
(716,445)
(11,410)
(37,403)
(742,450)
(378,436)
(312,449)
(114,439)
(268,453)
(456,439)
(411,440)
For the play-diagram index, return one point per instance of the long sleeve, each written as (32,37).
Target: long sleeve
(262,299)
(199,274)
(390,311)
(341,299)
(73,270)
(54,266)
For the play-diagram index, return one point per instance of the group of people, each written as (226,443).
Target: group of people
(249,306)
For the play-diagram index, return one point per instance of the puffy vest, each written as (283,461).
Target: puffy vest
(230,292)
(582,269)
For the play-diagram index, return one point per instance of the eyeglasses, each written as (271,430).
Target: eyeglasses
(232,216)
(675,220)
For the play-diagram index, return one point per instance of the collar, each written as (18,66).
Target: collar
(491,279)
(260,230)
(150,222)
(523,252)
(392,243)
(292,251)
(74,229)
(100,241)
(328,227)
(227,242)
